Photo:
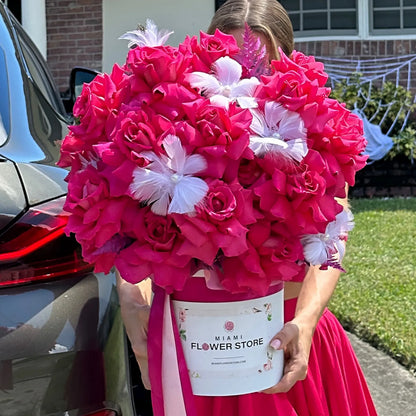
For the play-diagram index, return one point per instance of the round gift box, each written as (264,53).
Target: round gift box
(225,339)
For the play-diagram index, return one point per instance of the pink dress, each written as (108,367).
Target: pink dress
(334,386)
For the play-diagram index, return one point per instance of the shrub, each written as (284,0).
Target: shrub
(404,144)
(386,105)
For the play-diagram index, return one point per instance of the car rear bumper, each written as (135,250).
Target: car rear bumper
(63,349)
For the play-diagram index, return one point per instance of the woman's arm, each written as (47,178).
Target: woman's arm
(135,300)
(296,336)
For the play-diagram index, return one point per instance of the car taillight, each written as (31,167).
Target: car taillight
(36,247)
(104,412)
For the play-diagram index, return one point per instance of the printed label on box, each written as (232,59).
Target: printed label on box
(226,344)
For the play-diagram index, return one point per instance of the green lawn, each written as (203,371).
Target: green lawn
(376,298)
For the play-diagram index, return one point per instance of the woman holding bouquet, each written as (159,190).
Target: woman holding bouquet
(321,373)
(224,157)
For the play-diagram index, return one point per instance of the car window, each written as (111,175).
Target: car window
(38,72)
(4,100)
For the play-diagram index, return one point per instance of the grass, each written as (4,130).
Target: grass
(376,299)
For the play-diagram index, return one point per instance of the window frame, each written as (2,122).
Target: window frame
(326,12)
(365,30)
(402,9)
(38,71)
(5,103)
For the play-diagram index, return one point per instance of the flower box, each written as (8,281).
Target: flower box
(226,344)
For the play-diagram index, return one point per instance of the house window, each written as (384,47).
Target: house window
(328,16)
(15,6)
(393,16)
(219,3)
(363,18)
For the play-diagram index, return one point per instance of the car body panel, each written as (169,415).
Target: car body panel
(60,331)
(12,196)
(63,349)
(42,182)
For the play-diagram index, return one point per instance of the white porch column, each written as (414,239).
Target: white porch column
(34,22)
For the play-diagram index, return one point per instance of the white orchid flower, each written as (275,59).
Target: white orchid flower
(278,130)
(225,85)
(328,248)
(167,183)
(150,36)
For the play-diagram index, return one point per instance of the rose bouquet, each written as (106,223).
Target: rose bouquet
(208,156)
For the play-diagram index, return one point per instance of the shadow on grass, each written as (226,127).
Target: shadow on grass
(383,204)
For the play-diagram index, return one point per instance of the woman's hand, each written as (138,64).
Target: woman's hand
(135,310)
(295,341)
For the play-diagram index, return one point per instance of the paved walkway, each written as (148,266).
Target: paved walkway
(393,387)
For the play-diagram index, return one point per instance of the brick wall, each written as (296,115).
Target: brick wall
(384,178)
(377,50)
(358,48)
(74,36)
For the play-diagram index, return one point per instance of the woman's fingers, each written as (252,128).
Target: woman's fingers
(295,369)
(282,339)
(296,362)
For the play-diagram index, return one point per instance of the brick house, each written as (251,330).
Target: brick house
(85,32)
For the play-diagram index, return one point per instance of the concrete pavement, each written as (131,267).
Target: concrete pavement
(393,387)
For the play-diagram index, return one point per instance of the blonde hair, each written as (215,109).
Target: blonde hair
(267,17)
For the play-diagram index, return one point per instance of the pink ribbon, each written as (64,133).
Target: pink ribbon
(171,387)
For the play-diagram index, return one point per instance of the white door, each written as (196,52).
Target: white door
(182,16)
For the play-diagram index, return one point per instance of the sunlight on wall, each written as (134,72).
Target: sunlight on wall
(183,17)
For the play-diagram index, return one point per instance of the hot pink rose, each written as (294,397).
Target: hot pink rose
(160,232)
(86,188)
(154,65)
(281,254)
(97,224)
(155,252)
(135,134)
(273,200)
(289,85)
(220,203)
(222,135)
(313,70)
(169,98)
(244,273)
(209,49)
(71,148)
(97,106)
(169,274)
(229,209)
(348,142)
(213,47)
(249,172)
(225,201)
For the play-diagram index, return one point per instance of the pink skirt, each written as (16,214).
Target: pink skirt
(334,386)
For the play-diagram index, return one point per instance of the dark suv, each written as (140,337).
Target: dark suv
(63,350)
